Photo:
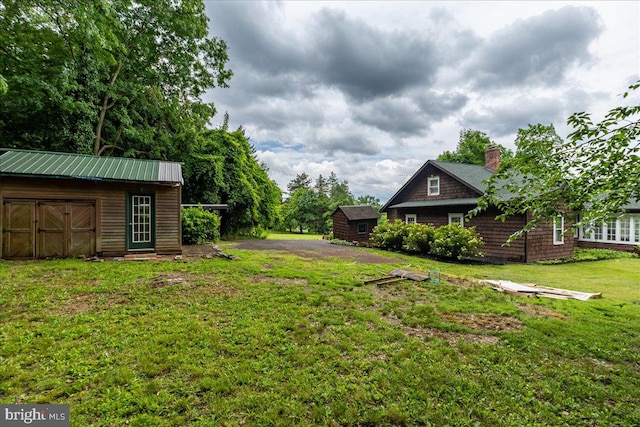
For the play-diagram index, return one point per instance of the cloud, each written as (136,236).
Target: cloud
(505,117)
(372,90)
(408,115)
(366,62)
(536,51)
(346,139)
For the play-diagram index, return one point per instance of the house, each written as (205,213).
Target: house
(354,223)
(442,193)
(622,234)
(67,205)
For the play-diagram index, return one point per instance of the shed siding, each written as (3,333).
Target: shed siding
(340,225)
(110,201)
(348,230)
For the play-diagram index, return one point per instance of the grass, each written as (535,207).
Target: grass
(283,235)
(276,339)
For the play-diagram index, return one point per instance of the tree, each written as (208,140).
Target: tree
(4,87)
(301,181)
(471,148)
(224,169)
(304,210)
(369,201)
(104,77)
(594,173)
(322,186)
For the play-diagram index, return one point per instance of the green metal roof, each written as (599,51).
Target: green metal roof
(67,165)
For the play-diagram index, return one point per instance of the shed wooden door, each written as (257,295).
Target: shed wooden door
(49,229)
(66,229)
(82,228)
(52,229)
(18,229)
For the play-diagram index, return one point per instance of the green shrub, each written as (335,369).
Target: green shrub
(419,238)
(199,226)
(389,235)
(581,254)
(249,233)
(456,242)
(341,242)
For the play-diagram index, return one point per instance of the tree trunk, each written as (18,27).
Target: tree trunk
(103,111)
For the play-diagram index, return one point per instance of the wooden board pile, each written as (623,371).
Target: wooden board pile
(534,291)
(397,276)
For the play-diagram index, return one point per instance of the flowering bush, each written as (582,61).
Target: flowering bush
(455,242)
(418,238)
(389,235)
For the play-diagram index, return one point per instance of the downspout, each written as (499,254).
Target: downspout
(526,240)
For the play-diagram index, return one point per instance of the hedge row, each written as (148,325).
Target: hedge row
(448,241)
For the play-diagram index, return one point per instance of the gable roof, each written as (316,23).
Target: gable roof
(358,213)
(81,166)
(472,176)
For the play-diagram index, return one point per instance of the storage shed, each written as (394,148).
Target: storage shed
(67,205)
(354,223)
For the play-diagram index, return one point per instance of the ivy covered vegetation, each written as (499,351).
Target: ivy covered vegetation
(126,79)
(448,241)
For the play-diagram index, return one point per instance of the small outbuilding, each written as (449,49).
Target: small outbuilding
(68,205)
(354,223)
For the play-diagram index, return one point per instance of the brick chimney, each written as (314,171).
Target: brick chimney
(492,157)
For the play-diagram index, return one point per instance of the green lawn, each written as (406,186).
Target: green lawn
(283,235)
(270,339)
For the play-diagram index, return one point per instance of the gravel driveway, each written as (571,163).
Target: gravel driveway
(319,249)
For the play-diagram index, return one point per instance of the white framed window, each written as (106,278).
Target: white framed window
(625,229)
(587,232)
(598,230)
(433,186)
(362,228)
(410,218)
(457,219)
(611,230)
(558,230)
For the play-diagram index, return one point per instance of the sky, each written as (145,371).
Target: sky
(372,90)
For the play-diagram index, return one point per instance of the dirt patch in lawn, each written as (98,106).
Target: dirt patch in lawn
(188,282)
(278,280)
(535,310)
(91,303)
(453,338)
(483,321)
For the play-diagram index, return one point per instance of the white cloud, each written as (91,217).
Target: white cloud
(371,90)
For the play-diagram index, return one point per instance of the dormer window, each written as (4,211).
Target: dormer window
(433,186)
